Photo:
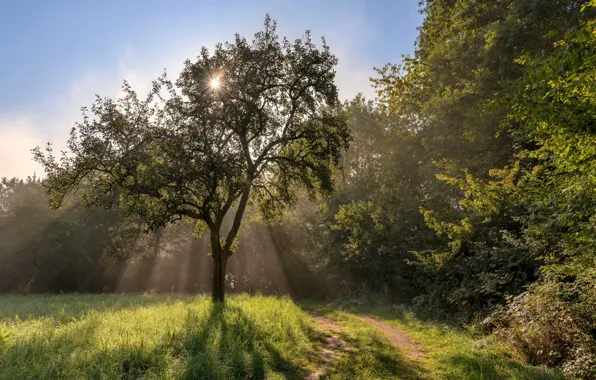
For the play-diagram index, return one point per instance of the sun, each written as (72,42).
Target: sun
(215,82)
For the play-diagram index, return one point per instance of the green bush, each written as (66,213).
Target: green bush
(549,329)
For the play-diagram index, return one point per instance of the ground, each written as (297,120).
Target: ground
(249,337)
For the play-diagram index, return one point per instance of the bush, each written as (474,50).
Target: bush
(549,329)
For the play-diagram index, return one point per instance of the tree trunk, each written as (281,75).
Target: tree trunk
(220,252)
(219,278)
(219,268)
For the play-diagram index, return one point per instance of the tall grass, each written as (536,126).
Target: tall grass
(453,352)
(248,337)
(128,336)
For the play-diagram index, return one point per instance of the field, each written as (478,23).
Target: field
(250,337)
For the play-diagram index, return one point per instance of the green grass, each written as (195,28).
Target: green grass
(450,352)
(189,337)
(370,355)
(127,336)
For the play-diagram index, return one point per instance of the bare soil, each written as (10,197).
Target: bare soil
(397,337)
(333,346)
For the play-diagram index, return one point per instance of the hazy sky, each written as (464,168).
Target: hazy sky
(57,54)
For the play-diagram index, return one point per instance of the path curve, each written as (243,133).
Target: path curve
(397,337)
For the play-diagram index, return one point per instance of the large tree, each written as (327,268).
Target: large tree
(455,95)
(253,120)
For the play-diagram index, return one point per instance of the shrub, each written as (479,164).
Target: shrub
(549,329)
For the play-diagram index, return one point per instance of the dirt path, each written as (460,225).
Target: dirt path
(397,337)
(333,347)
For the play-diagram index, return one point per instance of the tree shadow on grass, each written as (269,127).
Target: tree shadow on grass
(473,365)
(370,356)
(229,345)
(465,363)
(219,343)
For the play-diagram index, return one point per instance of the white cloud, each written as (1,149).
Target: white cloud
(347,42)
(353,77)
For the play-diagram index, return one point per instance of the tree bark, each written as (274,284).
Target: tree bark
(219,279)
(220,252)
(218,287)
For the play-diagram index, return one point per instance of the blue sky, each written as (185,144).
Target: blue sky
(57,54)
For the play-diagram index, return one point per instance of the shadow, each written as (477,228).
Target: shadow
(218,341)
(243,350)
(469,362)
(367,350)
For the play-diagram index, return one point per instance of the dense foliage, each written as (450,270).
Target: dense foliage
(496,115)
(468,189)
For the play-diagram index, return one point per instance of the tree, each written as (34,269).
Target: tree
(454,92)
(73,249)
(363,236)
(252,121)
(465,62)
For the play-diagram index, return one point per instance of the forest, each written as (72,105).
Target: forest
(464,192)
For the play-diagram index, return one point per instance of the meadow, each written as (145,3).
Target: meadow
(127,336)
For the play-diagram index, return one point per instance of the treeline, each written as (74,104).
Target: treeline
(81,249)
(468,191)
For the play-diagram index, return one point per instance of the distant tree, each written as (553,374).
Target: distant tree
(363,235)
(250,121)
(73,249)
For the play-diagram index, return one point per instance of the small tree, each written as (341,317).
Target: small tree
(250,121)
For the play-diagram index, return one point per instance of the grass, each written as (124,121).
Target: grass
(450,352)
(127,336)
(250,337)
(370,355)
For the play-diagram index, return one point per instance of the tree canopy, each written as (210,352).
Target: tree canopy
(252,117)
